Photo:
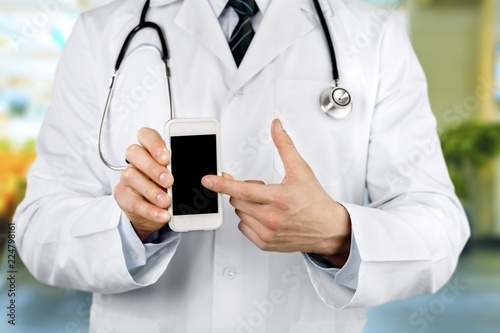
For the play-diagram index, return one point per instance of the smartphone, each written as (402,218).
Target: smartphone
(194,152)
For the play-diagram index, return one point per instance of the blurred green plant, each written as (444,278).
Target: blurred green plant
(468,148)
(29,145)
(26,147)
(5,145)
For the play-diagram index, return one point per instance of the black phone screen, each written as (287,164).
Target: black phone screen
(193,156)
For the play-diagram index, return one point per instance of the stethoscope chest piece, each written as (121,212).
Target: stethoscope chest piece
(336,102)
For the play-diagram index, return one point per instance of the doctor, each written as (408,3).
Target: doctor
(298,251)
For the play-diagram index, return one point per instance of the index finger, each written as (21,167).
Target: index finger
(154,144)
(253,192)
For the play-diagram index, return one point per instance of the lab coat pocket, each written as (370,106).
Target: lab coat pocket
(326,144)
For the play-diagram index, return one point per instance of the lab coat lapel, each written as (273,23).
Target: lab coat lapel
(283,24)
(199,21)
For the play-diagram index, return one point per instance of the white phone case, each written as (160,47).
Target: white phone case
(189,127)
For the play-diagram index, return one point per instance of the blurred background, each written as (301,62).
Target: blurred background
(458,44)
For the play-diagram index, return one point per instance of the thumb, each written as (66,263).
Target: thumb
(293,163)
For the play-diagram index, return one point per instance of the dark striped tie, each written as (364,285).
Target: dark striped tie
(243,32)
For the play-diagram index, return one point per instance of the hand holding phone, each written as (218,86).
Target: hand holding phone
(141,190)
(195,152)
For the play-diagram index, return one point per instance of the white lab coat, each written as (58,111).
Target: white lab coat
(408,237)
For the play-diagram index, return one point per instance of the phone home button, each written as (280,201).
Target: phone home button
(230,273)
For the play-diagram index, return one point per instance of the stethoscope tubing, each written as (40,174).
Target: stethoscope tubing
(332,107)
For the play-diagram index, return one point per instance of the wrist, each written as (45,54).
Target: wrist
(338,247)
(144,236)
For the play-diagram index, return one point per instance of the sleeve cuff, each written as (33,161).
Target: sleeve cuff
(135,252)
(346,276)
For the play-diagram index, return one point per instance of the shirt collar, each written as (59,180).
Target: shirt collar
(219,5)
(156,3)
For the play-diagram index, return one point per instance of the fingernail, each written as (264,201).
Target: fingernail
(164,179)
(207,182)
(162,156)
(162,198)
(164,215)
(280,125)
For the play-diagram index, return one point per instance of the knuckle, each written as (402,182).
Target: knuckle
(240,226)
(152,170)
(118,189)
(131,151)
(267,237)
(282,202)
(150,213)
(128,175)
(147,213)
(150,192)
(245,193)
(272,221)
(143,132)
(119,192)
(133,207)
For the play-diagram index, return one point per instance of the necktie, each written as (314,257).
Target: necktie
(243,32)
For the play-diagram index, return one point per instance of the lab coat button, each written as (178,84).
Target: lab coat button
(237,95)
(230,273)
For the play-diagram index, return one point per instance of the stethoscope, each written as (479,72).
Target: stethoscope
(334,101)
